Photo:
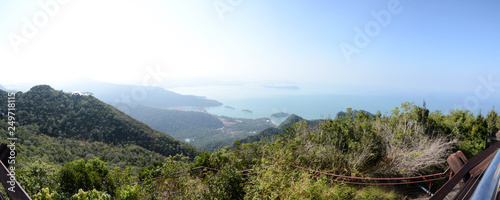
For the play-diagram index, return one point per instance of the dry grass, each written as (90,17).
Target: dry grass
(413,152)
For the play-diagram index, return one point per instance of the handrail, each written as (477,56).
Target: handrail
(488,186)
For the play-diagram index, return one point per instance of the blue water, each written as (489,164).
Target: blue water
(325,106)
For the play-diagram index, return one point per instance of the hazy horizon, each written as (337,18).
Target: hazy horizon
(311,106)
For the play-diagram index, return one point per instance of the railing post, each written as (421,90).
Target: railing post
(17,193)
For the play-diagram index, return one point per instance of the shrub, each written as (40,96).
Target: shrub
(37,175)
(92,194)
(375,193)
(343,192)
(226,184)
(151,171)
(127,192)
(45,194)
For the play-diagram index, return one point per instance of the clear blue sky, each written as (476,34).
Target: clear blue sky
(426,46)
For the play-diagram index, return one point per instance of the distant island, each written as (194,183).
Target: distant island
(229,107)
(280,115)
(247,111)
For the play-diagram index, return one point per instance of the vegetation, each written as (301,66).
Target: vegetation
(174,121)
(354,112)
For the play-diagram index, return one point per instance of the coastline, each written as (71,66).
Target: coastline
(274,122)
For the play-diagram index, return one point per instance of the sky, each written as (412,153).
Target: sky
(214,47)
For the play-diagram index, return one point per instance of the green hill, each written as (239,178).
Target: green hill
(63,115)
(272,132)
(354,112)
(171,121)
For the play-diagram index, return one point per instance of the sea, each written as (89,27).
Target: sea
(327,106)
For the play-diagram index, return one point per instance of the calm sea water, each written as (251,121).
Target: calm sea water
(324,106)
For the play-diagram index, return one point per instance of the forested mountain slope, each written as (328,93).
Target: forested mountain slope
(60,114)
(170,121)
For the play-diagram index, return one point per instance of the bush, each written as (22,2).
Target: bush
(151,171)
(344,192)
(93,194)
(45,194)
(127,192)
(202,160)
(226,184)
(37,175)
(375,193)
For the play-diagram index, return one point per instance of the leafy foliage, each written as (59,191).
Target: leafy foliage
(92,194)
(37,176)
(226,185)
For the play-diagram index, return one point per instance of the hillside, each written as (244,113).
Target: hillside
(34,145)
(205,131)
(62,115)
(171,121)
(118,95)
(272,132)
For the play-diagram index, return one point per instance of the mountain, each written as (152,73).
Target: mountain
(121,95)
(171,121)
(354,112)
(3,88)
(272,132)
(79,117)
(203,130)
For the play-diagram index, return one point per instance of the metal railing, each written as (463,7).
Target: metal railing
(489,184)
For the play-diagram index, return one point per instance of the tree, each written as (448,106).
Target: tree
(492,122)
(87,176)
(36,176)
(226,184)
